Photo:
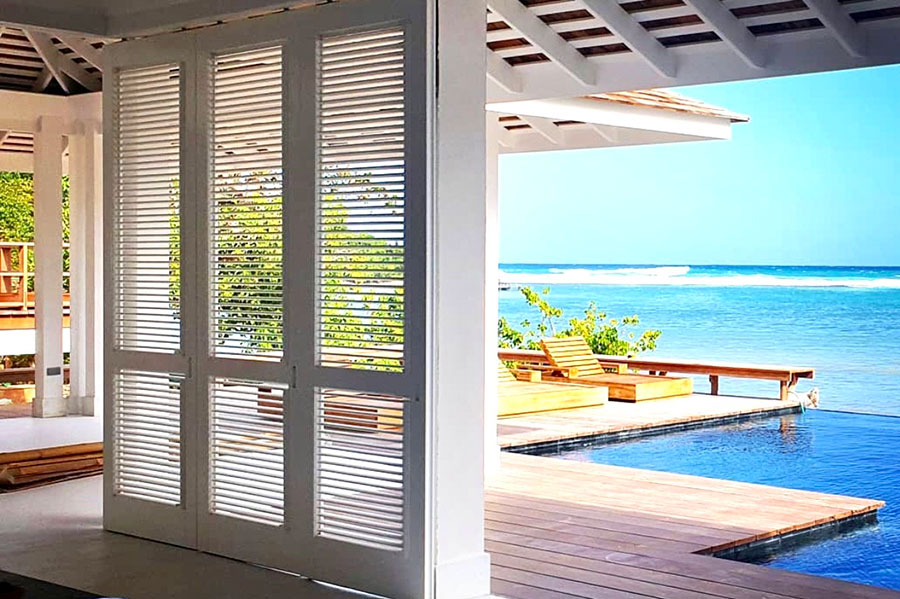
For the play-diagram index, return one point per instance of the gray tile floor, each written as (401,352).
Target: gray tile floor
(54,534)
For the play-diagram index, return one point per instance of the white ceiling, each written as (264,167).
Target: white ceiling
(569,48)
(123,18)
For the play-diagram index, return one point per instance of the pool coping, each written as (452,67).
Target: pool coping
(757,551)
(754,549)
(550,446)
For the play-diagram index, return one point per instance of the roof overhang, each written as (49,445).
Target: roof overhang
(20,118)
(571,48)
(583,123)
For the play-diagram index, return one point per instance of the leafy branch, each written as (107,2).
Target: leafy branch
(609,336)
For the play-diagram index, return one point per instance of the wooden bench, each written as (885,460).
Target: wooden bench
(787,376)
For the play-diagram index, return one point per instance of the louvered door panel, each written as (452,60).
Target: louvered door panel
(361,200)
(368,417)
(147,443)
(147,236)
(246,205)
(247,450)
(148,461)
(247,379)
(266,219)
(359,468)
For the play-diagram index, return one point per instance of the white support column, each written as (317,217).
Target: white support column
(77,283)
(491,295)
(48,280)
(85,210)
(461,565)
(92,404)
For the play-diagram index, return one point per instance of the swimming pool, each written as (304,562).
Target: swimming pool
(831,452)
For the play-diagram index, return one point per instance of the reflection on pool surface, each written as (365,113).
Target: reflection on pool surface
(846,454)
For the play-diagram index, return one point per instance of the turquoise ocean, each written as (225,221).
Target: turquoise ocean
(843,321)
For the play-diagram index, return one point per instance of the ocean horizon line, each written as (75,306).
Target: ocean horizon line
(856,277)
(702,265)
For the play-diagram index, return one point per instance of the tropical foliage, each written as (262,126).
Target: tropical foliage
(17,214)
(360,292)
(609,336)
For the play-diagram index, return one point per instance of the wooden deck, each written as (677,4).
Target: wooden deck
(561,530)
(550,429)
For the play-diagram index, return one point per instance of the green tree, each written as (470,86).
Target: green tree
(361,293)
(17,214)
(609,336)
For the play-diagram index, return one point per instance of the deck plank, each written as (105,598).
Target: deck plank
(563,529)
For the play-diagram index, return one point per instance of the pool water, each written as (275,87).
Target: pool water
(831,452)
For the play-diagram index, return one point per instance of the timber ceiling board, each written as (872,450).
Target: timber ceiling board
(38,61)
(598,28)
(14,141)
(531,39)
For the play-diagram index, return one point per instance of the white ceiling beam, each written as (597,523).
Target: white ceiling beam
(731,30)
(634,35)
(545,39)
(500,72)
(59,63)
(21,110)
(841,25)
(81,47)
(43,80)
(546,127)
(505,136)
(614,114)
(17,162)
(609,134)
(809,51)
(48,53)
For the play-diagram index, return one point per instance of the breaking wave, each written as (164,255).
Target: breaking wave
(681,276)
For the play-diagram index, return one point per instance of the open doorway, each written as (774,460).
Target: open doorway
(727,263)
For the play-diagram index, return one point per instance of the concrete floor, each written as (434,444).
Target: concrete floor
(54,534)
(18,434)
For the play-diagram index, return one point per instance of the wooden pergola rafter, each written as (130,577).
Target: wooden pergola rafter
(41,61)
(570,47)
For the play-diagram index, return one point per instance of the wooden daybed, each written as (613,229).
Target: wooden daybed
(517,397)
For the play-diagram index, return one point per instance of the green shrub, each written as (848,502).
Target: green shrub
(17,214)
(609,336)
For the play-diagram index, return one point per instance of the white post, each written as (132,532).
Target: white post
(491,295)
(462,567)
(48,279)
(77,284)
(92,403)
(85,211)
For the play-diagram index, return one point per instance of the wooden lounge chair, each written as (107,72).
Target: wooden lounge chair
(571,360)
(518,397)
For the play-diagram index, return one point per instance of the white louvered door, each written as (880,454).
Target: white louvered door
(289,359)
(245,371)
(367,381)
(149,483)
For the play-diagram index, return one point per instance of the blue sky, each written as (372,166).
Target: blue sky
(813,178)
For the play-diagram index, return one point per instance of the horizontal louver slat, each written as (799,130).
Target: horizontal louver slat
(147,435)
(246,318)
(361,200)
(247,450)
(147,240)
(360,468)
